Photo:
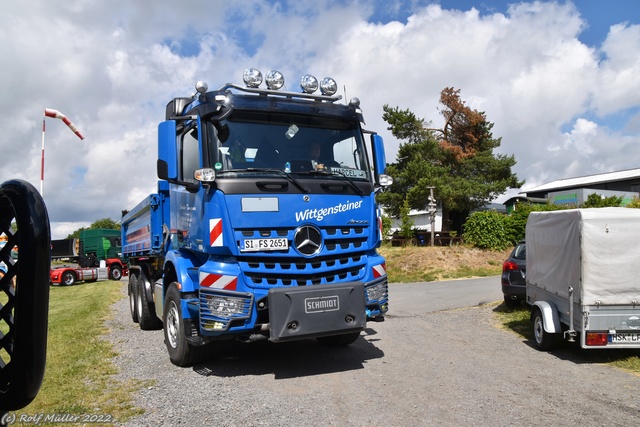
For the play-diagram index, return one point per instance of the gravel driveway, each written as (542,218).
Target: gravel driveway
(447,368)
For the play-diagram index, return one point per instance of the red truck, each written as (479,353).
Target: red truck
(69,275)
(93,248)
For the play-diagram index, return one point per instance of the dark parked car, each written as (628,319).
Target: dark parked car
(513,276)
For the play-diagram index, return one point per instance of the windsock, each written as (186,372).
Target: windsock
(48,112)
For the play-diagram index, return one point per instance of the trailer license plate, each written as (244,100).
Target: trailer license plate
(630,338)
(272,244)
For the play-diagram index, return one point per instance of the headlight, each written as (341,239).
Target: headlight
(252,77)
(225,306)
(377,292)
(308,83)
(274,79)
(205,175)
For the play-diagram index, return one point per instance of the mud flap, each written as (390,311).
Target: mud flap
(314,311)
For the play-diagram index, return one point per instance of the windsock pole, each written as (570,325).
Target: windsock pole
(48,112)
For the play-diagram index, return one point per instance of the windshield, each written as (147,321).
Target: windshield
(250,140)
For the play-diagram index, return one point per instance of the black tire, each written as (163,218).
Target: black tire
(181,352)
(542,339)
(133,288)
(145,310)
(115,272)
(339,340)
(68,278)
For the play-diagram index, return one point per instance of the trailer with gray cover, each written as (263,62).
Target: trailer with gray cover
(582,277)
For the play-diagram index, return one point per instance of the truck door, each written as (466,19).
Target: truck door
(187,198)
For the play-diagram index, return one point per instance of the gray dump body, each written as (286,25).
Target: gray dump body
(584,264)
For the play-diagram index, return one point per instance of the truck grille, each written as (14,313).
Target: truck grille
(341,259)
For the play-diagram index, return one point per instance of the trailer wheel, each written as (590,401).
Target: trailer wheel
(68,278)
(146,312)
(181,352)
(115,272)
(543,340)
(339,340)
(133,288)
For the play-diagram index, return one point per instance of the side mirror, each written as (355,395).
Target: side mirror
(167,151)
(380,161)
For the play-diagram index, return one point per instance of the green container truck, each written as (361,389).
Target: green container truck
(92,247)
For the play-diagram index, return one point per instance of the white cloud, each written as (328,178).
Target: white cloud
(618,85)
(111,67)
(579,139)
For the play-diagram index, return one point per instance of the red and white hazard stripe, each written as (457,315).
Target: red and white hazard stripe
(218,281)
(379,270)
(215,232)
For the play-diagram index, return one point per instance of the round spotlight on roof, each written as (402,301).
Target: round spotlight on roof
(252,77)
(201,86)
(328,86)
(308,83)
(274,79)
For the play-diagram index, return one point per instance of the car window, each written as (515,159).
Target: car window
(520,251)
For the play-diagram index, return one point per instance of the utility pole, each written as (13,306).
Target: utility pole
(432,213)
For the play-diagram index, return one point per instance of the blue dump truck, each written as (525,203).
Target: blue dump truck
(264,225)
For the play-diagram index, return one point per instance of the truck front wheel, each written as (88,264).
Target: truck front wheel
(181,352)
(542,339)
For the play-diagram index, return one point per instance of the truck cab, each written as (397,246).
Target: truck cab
(265,222)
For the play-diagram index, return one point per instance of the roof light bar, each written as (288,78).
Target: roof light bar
(274,80)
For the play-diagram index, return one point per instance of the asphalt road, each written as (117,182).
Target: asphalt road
(410,299)
(440,359)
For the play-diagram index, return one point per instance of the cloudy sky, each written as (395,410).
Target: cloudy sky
(560,80)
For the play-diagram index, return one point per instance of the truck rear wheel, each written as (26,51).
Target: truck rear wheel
(115,272)
(541,338)
(181,352)
(339,340)
(133,288)
(68,278)
(146,312)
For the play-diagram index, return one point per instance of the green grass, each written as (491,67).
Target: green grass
(518,321)
(464,271)
(79,376)
(412,264)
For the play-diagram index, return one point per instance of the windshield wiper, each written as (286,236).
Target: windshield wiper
(283,174)
(335,173)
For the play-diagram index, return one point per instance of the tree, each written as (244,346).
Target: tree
(458,160)
(107,223)
(419,162)
(595,200)
(635,203)
(406,226)
(464,129)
